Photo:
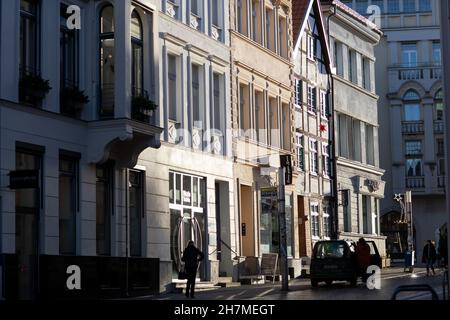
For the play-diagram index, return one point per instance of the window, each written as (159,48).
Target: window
(289,211)
(414,167)
(345,201)
(273,121)
(29,37)
(439,105)
(441,167)
(338,62)
(136,207)
(300,151)
(245,111)
(69,46)
(195,7)
(137,55)
(424,5)
(376,216)
(104,207)
(174,89)
(324,105)
(365,213)
(349,138)
(311,47)
(260,117)
(326,221)
(107,62)
(356,140)
(361,6)
(194,18)
(314,166)
(352,72)
(366,74)
(270,29)
(242,14)
(409,54)
(411,107)
(409,6)
(256,21)
(440,147)
(282,37)
(68,203)
(413,148)
(326,163)
(286,125)
(218,97)
(370,152)
(393,6)
(315,221)
(298,92)
(312,99)
(380,4)
(437,56)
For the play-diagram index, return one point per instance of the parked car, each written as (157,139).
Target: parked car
(335,260)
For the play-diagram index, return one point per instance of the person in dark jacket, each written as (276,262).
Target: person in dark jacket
(362,258)
(429,256)
(191,257)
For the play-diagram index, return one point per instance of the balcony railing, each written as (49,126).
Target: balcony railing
(415,182)
(419,72)
(412,127)
(195,21)
(172,9)
(216,33)
(441,181)
(197,138)
(438,127)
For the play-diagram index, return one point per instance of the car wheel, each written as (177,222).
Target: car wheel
(329,282)
(314,283)
(353,282)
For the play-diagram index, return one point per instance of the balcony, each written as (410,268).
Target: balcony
(441,181)
(419,72)
(412,127)
(438,127)
(415,182)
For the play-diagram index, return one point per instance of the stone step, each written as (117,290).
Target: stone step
(229,284)
(225,280)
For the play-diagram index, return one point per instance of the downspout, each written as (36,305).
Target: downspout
(332,139)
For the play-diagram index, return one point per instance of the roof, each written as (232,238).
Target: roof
(299,10)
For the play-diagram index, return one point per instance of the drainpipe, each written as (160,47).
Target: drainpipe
(332,139)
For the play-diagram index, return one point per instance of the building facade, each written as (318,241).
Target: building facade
(411,113)
(262,119)
(313,125)
(359,177)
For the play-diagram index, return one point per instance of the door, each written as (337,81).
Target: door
(247,222)
(302,227)
(27,222)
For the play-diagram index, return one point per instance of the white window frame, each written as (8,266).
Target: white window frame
(299,148)
(313,157)
(298,94)
(310,47)
(312,100)
(323,105)
(315,215)
(326,160)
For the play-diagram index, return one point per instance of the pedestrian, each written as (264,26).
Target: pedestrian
(362,258)
(429,256)
(191,258)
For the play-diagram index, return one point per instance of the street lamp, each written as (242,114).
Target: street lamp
(406,217)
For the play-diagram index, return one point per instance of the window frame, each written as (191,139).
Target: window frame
(137,43)
(300,151)
(312,100)
(315,221)
(313,157)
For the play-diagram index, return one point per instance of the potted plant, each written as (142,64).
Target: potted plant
(33,87)
(142,108)
(73,100)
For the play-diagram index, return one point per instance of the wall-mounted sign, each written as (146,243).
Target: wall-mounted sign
(24,179)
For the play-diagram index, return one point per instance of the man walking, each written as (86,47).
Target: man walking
(429,256)
(191,257)
(363,258)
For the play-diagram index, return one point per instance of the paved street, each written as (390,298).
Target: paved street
(300,289)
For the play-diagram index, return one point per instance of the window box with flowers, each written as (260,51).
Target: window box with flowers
(73,101)
(33,89)
(142,108)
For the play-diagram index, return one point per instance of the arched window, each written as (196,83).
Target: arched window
(137,61)
(107,61)
(411,106)
(439,105)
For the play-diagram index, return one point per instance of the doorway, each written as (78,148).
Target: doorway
(224,254)
(28,205)
(247,221)
(302,227)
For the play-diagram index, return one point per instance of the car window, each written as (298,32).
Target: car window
(330,250)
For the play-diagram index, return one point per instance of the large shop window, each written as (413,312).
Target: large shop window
(68,204)
(187,195)
(29,37)
(136,209)
(104,207)
(107,62)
